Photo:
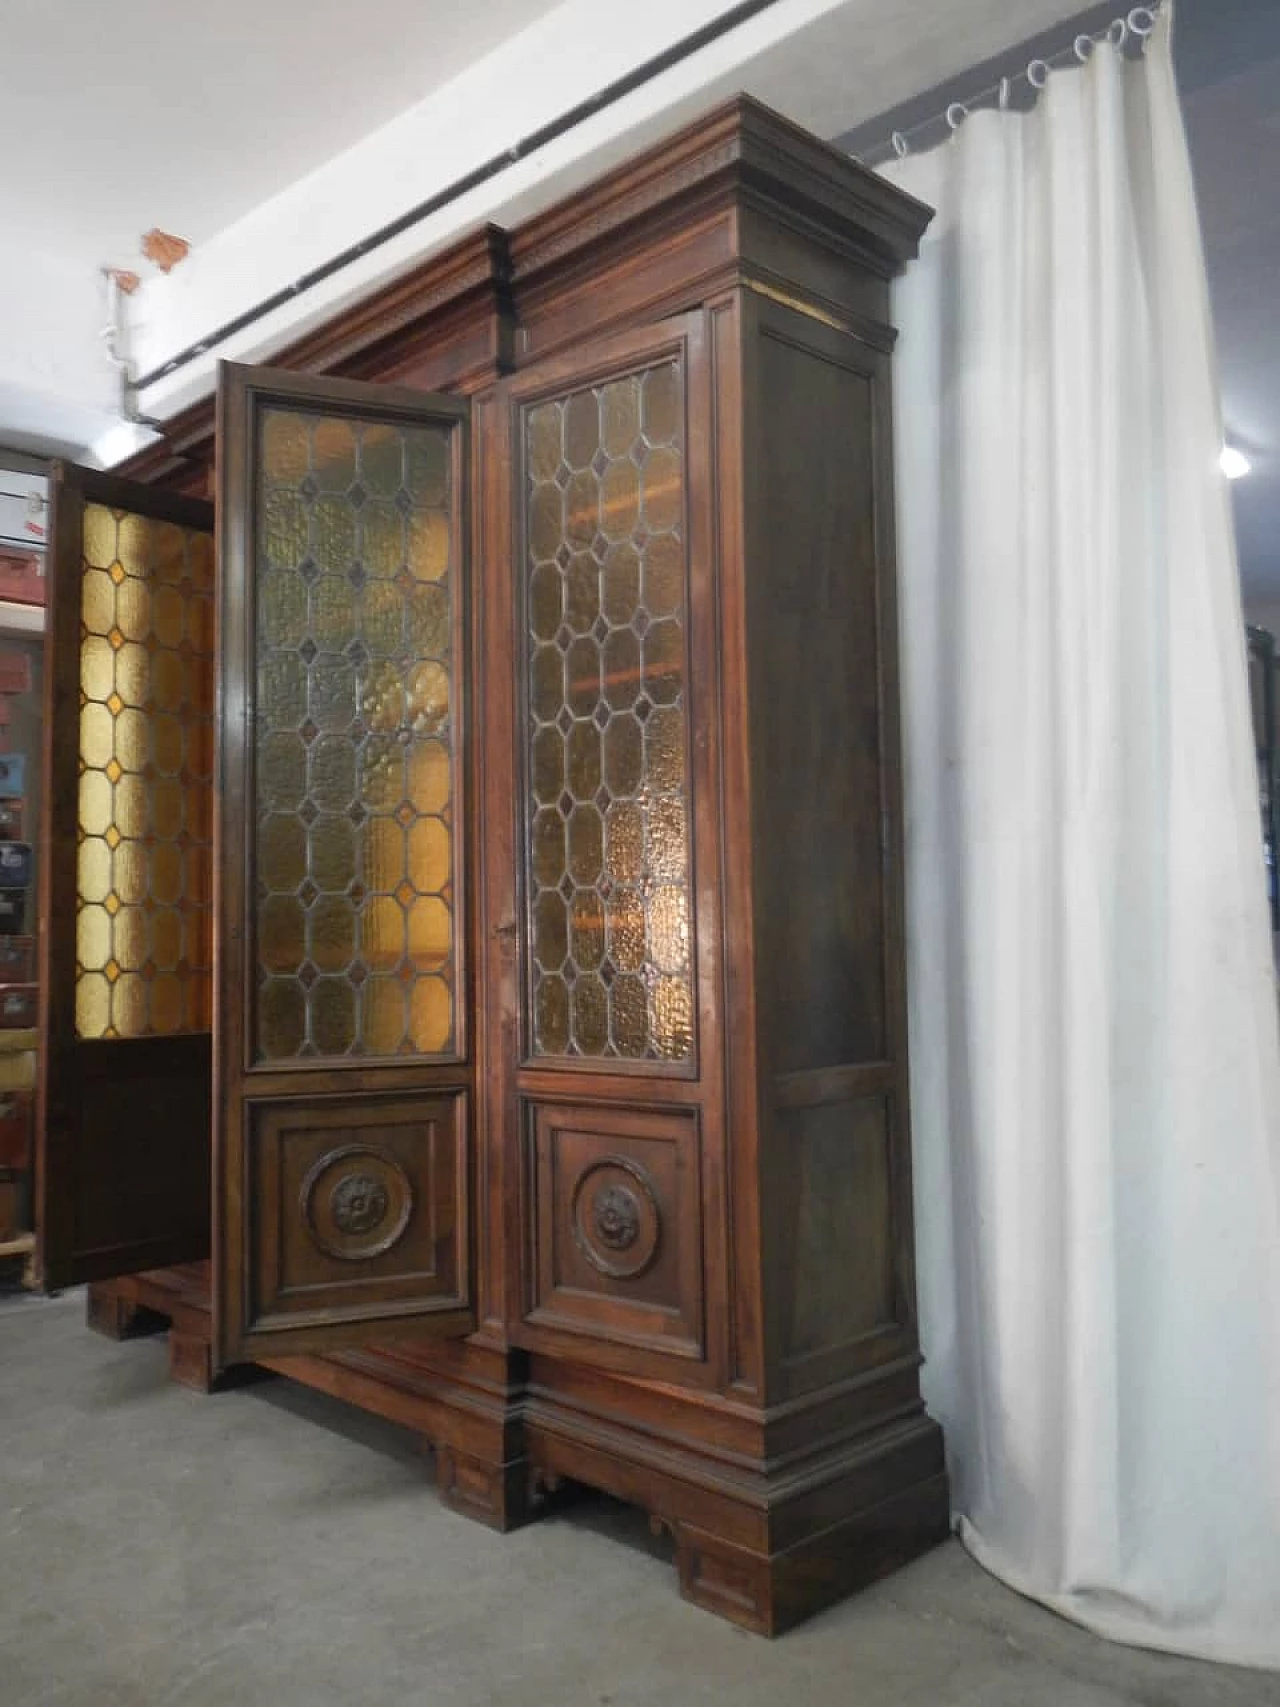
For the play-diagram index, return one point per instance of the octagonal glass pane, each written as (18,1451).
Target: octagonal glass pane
(607,863)
(147,701)
(354,695)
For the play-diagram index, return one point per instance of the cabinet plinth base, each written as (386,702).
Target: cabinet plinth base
(771,1593)
(119,1318)
(191,1363)
(763,1541)
(764,1544)
(498,1495)
(462,1397)
(175,1300)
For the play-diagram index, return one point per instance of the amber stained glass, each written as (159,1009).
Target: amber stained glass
(353,809)
(143,912)
(606,757)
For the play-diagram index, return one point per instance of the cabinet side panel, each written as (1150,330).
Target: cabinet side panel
(735,415)
(824,831)
(815,716)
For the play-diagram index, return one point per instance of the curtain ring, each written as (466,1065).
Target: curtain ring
(957,113)
(899,142)
(1083,46)
(1038,73)
(1006,90)
(1136,17)
(1118,34)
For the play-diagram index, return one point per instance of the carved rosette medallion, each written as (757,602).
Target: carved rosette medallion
(616,1211)
(356,1202)
(616,1219)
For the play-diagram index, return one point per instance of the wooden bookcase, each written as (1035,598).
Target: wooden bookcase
(551,861)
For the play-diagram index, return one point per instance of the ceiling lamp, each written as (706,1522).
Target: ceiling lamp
(1235,464)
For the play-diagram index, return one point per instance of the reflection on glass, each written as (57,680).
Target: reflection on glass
(354,739)
(608,861)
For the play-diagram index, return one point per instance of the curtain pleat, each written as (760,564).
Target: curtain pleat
(1095,1049)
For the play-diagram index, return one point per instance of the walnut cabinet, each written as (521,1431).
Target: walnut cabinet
(472,943)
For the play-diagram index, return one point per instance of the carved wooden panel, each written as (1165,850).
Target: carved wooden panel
(353,1203)
(616,1225)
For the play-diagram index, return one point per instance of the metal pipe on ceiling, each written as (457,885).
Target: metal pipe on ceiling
(550,132)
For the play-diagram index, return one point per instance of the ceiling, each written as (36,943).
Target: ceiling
(1228,54)
(119,115)
(128,114)
(247,128)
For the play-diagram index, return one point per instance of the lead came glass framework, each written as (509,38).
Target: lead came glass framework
(143,881)
(607,806)
(354,738)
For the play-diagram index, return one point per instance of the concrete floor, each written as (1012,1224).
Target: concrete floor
(270,1546)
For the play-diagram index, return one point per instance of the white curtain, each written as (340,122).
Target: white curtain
(1096,1068)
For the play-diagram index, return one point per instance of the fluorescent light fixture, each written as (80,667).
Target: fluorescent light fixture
(1235,464)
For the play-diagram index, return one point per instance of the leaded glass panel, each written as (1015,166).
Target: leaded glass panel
(354,738)
(143,876)
(606,735)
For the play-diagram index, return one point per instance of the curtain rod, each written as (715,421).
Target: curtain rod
(613,92)
(1138,22)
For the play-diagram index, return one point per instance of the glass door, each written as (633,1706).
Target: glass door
(605,998)
(123,1122)
(345,1080)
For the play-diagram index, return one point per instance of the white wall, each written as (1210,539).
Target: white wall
(58,391)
